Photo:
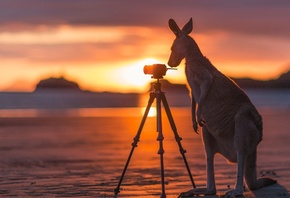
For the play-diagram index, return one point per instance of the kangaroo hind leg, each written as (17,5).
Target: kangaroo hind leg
(251,174)
(246,139)
(210,149)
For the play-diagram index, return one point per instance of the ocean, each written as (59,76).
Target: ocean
(98,104)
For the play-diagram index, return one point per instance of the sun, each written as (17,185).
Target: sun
(133,76)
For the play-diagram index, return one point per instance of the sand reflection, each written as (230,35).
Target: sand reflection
(85,156)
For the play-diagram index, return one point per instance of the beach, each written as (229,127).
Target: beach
(61,155)
(81,152)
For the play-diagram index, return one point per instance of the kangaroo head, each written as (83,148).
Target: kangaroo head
(178,49)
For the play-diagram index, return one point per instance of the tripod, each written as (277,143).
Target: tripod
(160,97)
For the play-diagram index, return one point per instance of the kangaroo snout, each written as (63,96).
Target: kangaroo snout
(173,63)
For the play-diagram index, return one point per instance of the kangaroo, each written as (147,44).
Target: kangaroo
(230,123)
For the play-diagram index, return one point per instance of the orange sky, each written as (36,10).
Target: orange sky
(106,50)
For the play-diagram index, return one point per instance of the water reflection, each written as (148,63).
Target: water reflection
(152,111)
(85,112)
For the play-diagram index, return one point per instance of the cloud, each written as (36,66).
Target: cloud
(262,17)
(79,45)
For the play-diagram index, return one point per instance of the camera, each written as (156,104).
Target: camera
(156,70)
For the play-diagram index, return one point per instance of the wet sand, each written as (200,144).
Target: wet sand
(64,155)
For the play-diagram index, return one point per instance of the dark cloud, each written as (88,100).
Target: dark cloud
(243,16)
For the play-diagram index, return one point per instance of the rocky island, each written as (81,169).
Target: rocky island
(57,84)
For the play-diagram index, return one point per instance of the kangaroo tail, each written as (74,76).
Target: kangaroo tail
(251,174)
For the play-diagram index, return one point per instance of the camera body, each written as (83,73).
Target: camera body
(156,70)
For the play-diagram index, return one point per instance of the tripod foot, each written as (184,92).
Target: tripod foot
(163,195)
(116,191)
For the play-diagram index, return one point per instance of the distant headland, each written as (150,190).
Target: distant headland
(57,84)
(283,82)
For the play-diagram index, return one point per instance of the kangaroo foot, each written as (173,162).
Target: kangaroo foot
(234,193)
(197,191)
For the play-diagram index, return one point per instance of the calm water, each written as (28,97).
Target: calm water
(95,105)
(270,98)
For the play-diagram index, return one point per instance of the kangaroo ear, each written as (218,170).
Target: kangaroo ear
(174,27)
(188,27)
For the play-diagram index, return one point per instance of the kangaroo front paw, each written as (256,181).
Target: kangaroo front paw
(197,191)
(201,122)
(195,126)
(234,193)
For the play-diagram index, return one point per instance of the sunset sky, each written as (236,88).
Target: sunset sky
(104,44)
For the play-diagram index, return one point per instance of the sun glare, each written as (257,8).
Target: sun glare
(133,75)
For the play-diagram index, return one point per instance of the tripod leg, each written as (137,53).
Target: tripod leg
(160,139)
(177,137)
(135,142)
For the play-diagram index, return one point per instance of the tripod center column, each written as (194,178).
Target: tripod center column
(160,135)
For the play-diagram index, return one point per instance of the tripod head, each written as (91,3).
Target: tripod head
(157,85)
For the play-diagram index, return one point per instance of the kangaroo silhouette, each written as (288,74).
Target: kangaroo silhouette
(230,123)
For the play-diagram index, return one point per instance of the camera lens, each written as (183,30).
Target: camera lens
(148,69)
